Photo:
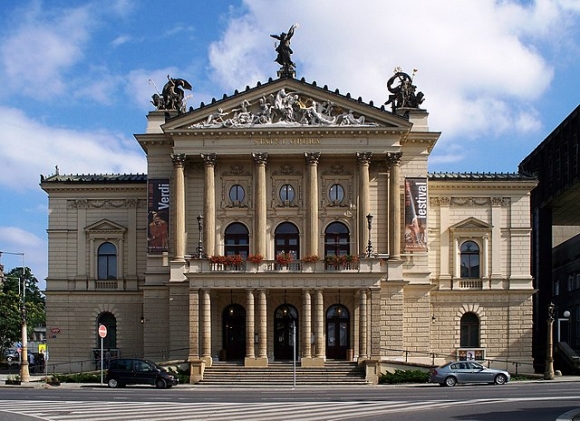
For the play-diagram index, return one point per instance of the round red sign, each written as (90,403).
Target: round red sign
(102,331)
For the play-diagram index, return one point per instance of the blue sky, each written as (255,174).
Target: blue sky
(498,77)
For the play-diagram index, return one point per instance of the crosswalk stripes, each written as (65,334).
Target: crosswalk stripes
(164,411)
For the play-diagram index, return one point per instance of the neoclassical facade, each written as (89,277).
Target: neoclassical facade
(289,208)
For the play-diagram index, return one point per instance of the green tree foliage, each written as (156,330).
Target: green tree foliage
(10,303)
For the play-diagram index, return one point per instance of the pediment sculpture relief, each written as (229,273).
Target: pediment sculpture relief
(284,109)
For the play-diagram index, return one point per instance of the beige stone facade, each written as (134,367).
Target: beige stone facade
(245,179)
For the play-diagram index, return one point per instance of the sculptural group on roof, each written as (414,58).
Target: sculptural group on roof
(284,108)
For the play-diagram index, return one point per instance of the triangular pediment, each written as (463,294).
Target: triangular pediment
(471,224)
(286,103)
(104,225)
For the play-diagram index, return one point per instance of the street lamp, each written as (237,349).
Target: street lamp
(200,242)
(370,245)
(566,318)
(549,372)
(24,372)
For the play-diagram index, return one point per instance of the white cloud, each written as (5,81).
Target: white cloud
(42,147)
(40,49)
(481,63)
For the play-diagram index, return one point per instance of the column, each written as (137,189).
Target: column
(394,159)
(250,324)
(319,332)
(209,161)
(363,328)
(206,325)
(312,204)
(260,204)
(364,160)
(263,326)
(306,324)
(178,163)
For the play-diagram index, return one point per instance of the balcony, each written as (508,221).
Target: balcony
(363,265)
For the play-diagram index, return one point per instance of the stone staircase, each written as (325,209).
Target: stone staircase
(282,373)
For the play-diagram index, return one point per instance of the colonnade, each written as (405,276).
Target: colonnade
(259,316)
(260,236)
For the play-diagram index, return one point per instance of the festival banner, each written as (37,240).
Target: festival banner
(415,214)
(158,199)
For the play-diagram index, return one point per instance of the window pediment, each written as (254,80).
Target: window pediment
(470,225)
(105,226)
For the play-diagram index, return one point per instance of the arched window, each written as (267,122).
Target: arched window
(107,261)
(237,240)
(110,322)
(287,239)
(237,194)
(336,240)
(336,193)
(470,260)
(469,331)
(287,194)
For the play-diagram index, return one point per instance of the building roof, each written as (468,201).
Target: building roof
(486,176)
(95,178)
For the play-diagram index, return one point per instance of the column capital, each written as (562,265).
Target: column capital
(178,159)
(209,159)
(394,158)
(260,157)
(364,157)
(312,157)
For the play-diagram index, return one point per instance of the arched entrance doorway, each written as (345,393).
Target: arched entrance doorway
(234,329)
(337,332)
(286,319)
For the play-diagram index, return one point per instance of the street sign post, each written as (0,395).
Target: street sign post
(102,334)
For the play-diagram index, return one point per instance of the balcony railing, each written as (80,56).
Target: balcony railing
(363,265)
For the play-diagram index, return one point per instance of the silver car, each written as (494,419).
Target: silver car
(467,372)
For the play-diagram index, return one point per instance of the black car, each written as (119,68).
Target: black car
(124,371)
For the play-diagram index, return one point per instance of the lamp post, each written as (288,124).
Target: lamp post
(549,372)
(370,225)
(24,372)
(200,242)
(566,318)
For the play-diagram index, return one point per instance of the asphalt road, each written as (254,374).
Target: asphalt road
(530,401)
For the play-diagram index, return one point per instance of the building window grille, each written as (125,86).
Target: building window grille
(287,194)
(107,261)
(336,240)
(237,194)
(237,240)
(336,193)
(470,260)
(469,331)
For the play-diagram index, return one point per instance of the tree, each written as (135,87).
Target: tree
(10,303)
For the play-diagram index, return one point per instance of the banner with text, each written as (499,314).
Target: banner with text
(158,215)
(416,214)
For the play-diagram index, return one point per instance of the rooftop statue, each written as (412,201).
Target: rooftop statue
(172,96)
(284,51)
(403,91)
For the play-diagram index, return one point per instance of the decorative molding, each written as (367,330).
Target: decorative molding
(105,203)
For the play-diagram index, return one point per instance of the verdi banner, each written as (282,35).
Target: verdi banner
(158,199)
(415,214)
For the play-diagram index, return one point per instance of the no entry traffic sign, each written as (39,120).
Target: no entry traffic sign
(102,331)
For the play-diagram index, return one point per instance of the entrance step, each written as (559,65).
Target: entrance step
(282,373)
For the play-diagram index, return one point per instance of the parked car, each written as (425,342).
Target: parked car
(467,372)
(124,371)
(11,356)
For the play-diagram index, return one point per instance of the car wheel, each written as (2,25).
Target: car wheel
(113,383)
(160,384)
(9,359)
(450,381)
(500,379)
